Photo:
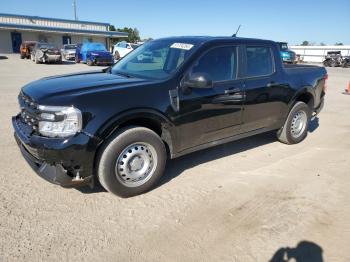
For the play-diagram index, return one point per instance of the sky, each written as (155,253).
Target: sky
(280,20)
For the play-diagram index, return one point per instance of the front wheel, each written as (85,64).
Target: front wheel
(131,161)
(296,126)
(89,62)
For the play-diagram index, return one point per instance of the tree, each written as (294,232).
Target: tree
(305,43)
(147,39)
(112,28)
(339,44)
(133,34)
(322,44)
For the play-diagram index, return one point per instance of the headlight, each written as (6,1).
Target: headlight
(59,121)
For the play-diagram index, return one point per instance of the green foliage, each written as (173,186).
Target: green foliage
(133,34)
(112,28)
(305,43)
(339,44)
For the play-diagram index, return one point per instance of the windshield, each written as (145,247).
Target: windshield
(70,46)
(155,59)
(96,47)
(47,46)
(283,46)
(134,46)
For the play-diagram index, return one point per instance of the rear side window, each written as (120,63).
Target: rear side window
(219,64)
(259,61)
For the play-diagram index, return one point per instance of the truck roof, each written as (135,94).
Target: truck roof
(204,39)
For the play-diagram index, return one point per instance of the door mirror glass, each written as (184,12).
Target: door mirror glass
(198,80)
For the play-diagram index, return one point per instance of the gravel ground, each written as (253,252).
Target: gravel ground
(249,200)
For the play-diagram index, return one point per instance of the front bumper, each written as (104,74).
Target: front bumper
(58,160)
(69,56)
(287,59)
(103,60)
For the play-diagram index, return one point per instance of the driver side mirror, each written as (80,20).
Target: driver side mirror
(198,80)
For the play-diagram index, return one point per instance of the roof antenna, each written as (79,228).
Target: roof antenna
(235,35)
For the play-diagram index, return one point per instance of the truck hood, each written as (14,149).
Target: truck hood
(79,83)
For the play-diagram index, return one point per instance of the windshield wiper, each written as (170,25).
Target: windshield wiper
(123,74)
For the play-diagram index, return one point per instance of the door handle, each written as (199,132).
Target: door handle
(272,84)
(232,91)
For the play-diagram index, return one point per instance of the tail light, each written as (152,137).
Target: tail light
(325,83)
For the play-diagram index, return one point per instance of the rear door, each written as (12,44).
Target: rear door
(264,91)
(210,114)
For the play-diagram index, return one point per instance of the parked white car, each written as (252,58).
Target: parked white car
(121,49)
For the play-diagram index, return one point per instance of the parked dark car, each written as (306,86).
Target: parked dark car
(46,53)
(333,59)
(288,56)
(68,51)
(26,48)
(121,124)
(93,54)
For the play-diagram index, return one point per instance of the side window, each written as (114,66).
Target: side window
(259,61)
(219,64)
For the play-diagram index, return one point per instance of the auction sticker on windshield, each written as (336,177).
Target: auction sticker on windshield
(182,46)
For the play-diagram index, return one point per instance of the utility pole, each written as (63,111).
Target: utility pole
(75,9)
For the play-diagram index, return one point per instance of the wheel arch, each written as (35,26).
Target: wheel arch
(305,95)
(148,118)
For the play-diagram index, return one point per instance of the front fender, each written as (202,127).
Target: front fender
(167,127)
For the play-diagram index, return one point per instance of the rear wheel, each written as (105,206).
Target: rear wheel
(116,55)
(89,62)
(36,59)
(296,126)
(131,161)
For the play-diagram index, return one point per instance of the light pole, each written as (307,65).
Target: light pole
(75,9)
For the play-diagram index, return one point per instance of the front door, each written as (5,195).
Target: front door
(16,39)
(66,40)
(210,114)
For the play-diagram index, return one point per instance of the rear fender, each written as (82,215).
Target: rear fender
(305,90)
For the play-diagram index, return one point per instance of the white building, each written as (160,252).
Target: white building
(14,29)
(316,54)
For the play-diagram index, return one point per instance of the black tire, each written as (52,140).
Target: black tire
(116,55)
(112,150)
(89,62)
(22,56)
(285,133)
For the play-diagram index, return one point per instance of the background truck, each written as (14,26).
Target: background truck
(119,125)
(288,56)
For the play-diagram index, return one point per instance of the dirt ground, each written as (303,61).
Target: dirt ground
(250,200)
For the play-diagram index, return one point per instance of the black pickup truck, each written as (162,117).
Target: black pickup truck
(119,125)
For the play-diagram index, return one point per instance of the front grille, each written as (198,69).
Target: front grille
(29,112)
(103,60)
